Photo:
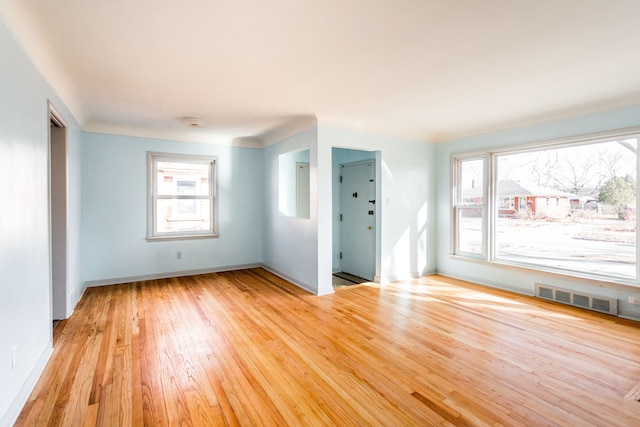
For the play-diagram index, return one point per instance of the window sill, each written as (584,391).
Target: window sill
(629,285)
(182,237)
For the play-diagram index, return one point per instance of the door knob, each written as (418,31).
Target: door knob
(369,228)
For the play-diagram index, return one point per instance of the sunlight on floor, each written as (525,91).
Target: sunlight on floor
(435,291)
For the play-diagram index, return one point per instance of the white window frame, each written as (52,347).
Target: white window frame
(152,196)
(459,205)
(491,202)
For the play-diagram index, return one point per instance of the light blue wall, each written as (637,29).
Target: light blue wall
(406,226)
(521,280)
(114,207)
(341,156)
(290,244)
(25,291)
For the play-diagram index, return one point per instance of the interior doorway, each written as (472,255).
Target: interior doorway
(58,213)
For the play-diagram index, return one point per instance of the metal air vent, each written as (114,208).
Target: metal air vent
(577,299)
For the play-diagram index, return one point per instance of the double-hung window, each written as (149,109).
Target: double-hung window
(565,206)
(182,200)
(470,206)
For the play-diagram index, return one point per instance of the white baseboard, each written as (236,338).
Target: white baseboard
(487,283)
(129,279)
(628,315)
(10,417)
(167,275)
(293,280)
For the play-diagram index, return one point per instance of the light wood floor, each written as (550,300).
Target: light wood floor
(247,348)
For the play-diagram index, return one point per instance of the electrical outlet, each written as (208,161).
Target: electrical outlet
(634,300)
(179,255)
(14,357)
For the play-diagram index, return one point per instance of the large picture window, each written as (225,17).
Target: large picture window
(564,206)
(182,196)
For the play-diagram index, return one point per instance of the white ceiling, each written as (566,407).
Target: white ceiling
(429,70)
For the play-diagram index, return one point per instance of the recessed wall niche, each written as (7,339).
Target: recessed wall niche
(293,184)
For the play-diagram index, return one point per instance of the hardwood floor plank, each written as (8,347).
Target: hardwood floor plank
(102,375)
(248,348)
(116,406)
(77,401)
(152,394)
(137,415)
(91,417)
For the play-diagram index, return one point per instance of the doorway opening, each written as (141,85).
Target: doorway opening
(58,214)
(355,236)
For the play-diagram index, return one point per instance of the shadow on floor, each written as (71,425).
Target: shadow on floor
(346,279)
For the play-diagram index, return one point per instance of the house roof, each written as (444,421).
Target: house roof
(518,188)
(511,188)
(430,70)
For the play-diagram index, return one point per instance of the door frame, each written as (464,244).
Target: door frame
(376,221)
(58,188)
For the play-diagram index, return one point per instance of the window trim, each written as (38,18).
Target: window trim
(490,212)
(152,160)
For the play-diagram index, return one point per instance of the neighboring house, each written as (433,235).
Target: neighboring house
(525,198)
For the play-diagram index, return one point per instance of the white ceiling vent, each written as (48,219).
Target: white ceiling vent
(577,299)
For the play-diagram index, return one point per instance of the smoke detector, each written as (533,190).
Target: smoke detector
(193,122)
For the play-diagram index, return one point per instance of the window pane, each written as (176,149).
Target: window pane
(174,215)
(186,206)
(571,208)
(471,198)
(471,182)
(186,188)
(175,178)
(470,230)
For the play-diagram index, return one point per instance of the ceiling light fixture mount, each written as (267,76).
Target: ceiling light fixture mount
(193,122)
